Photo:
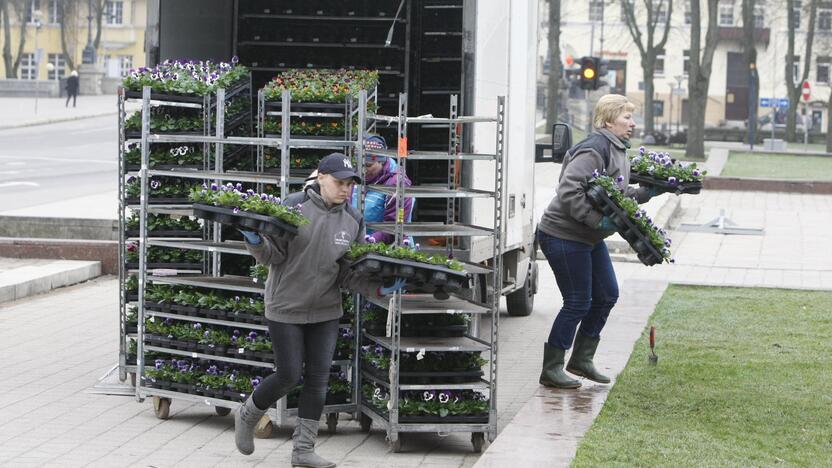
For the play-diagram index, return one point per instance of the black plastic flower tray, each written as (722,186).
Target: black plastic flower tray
(419,277)
(244,220)
(160,306)
(169,266)
(665,186)
(428,378)
(647,253)
(159,201)
(162,233)
(245,317)
(337,399)
(190,311)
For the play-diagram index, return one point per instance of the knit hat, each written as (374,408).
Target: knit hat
(374,143)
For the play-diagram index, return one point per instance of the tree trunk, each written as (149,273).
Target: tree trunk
(700,75)
(555,70)
(67,15)
(794,87)
(649,114)
(98,11)
(750,55)
(7,40)
(21,17)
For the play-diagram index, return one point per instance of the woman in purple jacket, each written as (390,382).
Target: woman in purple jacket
(381,170)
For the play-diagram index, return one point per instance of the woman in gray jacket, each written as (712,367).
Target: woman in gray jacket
(571,235)
(303,303)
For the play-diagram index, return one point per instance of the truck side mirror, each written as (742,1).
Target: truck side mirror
(561,141)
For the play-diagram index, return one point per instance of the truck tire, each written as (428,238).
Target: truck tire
(520,303)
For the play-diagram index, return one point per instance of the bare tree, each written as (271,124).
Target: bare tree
(98,14)
(68,19)
(793,87)
(555,69)
(750,56)
(699,73)
(21,8)
(648,48)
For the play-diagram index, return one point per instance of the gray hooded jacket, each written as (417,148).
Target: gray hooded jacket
(570,215)
(307,271)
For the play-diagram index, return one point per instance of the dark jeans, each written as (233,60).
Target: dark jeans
(72,96)
(299,349)
(587,283)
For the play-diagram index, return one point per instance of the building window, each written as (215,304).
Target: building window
(759,17)
(659,68)
(659,11)
(34,6)
(52,12)
(686,62)
(125,63)
(798,6)
(726,15)
(114,12)
(28,68)
(60,66)
(796,69)
(687,13)
(825,20)
(823,69)
(596,10)
(625,6)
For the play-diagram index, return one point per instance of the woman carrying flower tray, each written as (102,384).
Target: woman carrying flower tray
(303,303)
(571,234)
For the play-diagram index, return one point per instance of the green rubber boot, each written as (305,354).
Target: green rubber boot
(552,374)
(580,363)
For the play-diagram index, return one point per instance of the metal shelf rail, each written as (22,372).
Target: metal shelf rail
(403,304)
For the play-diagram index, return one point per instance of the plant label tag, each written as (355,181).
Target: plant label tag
(390,306)
(193,355)
(241,351)
(402,148)
(421,354)
(450,311)
(410,350)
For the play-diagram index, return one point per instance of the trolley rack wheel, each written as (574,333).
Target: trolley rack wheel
(222,411)
(161,407)
(331,422)
(365,422)
(477,440)
(264,428)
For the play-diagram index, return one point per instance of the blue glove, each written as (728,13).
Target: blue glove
(251,237)
(397,285)
(606,224)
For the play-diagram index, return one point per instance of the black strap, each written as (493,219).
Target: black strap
(597,142)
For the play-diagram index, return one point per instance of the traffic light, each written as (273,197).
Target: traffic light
(592,69)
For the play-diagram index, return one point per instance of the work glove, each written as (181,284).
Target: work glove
(606,224)
(251,237)
(396,286)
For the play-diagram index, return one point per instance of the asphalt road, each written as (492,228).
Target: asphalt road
(48,163)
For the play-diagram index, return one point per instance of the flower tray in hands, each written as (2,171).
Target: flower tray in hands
(246,210)
(667,186)
(641,243)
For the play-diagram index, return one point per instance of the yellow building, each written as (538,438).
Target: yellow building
(121,46)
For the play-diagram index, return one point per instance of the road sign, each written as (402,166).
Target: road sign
(765,102)
(782,102)
(807,91)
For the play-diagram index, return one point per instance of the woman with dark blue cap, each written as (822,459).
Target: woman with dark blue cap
(303,303)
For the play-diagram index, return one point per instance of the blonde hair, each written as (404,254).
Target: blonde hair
(609,108)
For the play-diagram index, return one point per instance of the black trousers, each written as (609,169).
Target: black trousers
(72,96)
(300,350)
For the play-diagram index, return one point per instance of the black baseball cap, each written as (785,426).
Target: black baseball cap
(339,166)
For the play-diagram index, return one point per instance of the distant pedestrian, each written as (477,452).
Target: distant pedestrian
(72,88)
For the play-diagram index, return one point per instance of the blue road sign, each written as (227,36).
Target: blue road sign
(783,102)
(765,102)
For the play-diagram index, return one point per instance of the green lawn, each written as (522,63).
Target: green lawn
(744,378)
(777,166)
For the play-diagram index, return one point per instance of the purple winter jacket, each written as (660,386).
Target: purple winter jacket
(380,208)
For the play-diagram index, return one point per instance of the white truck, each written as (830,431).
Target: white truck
(430,49)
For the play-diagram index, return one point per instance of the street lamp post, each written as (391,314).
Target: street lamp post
(38,25)
(88,56)
(670,111)
(679,79)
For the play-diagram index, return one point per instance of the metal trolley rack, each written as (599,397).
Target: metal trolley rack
(215,246)
(390,420)
(207,105)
